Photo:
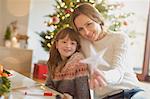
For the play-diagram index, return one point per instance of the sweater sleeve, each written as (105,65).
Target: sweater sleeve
(119,56)
(49,83)
(81,78)
(82,87)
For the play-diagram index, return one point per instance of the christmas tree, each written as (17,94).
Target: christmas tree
(61,18)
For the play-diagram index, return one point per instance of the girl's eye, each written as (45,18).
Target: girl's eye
(63,41)
(73,43)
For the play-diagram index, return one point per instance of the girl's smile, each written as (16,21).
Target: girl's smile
(66,47)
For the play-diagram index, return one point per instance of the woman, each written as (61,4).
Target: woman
(119,75)
(66,73)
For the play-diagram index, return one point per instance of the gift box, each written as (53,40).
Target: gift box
(40,71)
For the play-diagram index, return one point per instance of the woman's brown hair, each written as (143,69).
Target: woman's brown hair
(55,58)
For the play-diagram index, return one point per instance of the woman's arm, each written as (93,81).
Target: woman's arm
(119,59)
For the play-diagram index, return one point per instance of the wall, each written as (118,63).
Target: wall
(1,39)
(12,10)
(38,9)
(30,15)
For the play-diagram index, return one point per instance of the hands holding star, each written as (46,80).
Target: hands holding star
(97,79)
(96,75)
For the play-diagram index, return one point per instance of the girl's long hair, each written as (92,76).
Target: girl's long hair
(55,59)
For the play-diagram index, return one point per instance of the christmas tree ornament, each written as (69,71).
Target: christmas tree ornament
(125,23)
(68,11)
(67,2)
(55,20)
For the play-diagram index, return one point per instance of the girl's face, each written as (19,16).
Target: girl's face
(66,47)
(87,28)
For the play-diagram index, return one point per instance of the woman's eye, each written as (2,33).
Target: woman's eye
(89,24)
(80,29)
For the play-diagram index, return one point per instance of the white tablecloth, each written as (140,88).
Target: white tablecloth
(21,84)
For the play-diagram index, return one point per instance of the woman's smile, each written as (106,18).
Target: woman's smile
(88,28)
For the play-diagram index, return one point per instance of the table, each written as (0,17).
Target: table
(21,84)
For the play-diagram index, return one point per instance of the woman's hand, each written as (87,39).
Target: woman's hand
(97,79)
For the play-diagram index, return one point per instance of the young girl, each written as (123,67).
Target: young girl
(66,73)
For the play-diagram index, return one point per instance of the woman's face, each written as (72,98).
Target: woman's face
(66,47)
(88,28)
